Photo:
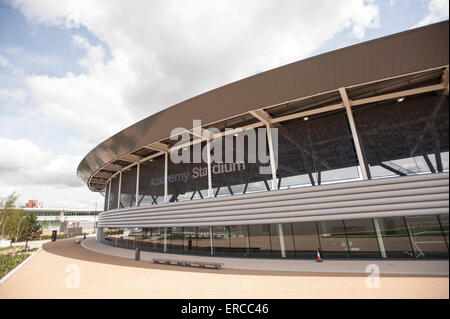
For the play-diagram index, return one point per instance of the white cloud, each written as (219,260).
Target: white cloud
(437,11)
(95,54)
(91,104)
(166,51)
(5,63)
(15,96)
(37,174)
(22,162)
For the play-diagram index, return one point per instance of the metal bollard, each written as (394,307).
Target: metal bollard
(137,255)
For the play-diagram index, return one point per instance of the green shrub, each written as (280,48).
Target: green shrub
(9,262)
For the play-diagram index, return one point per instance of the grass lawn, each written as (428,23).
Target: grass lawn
(9,247)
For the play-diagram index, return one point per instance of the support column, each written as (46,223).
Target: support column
(379,238)
(137,183)
(361,160)
(109,195)
(272,157)
(211,239)
(165,239)
(166,168)
(120,189)
(208,150)
(282,246)
(99,234)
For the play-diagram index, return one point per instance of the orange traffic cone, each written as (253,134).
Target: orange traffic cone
(319,259)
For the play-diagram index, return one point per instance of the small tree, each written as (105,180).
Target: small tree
(32,228)
(16,224)
(7,207)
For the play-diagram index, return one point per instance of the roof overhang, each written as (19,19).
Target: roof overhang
(404,64)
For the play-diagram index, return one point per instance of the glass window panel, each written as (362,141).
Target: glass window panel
(427,238)
(151,182)
(340,174)
(128,188)
(138,235)
(288,240)
(444,224)
(145,243)
(362,238)
(113,200)
(222,241)
(106,197)
(154,240)
(399,138)
(294,181)
(333,240)
(395,237)
(190,241)
(306,239)
(323,143)
(275,241)
(259,240)
(187,180)
(241,173)
(175,240)
(239,241)
(203,241)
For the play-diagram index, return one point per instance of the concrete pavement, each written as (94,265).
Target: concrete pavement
(64,269)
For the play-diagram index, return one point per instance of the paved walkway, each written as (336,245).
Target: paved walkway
(335,267)
(64,269)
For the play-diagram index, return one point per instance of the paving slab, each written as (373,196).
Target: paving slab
(64,269)
(385,267)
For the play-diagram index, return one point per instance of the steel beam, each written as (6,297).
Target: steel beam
(359,152)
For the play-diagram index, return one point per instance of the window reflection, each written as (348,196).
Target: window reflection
(128,188)
(422,236)
(333,240)
(362,238)
(396,237)
(427,238)
(405,138)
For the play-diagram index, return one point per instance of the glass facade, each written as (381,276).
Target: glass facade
(151,182)
(397,139)
(409,237)
(396,237)
(317,150)
(427,237)
(187,181)
(405,138)
(114,194)
(238,173)
(128,188)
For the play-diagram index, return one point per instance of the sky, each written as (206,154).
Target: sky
(73,73)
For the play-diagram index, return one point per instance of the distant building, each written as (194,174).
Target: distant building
(34,203)
(65,220)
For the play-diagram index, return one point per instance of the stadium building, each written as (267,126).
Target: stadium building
(360,167)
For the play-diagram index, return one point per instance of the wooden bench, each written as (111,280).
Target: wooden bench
(187,263)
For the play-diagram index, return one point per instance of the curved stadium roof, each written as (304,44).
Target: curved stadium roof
(400,61)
